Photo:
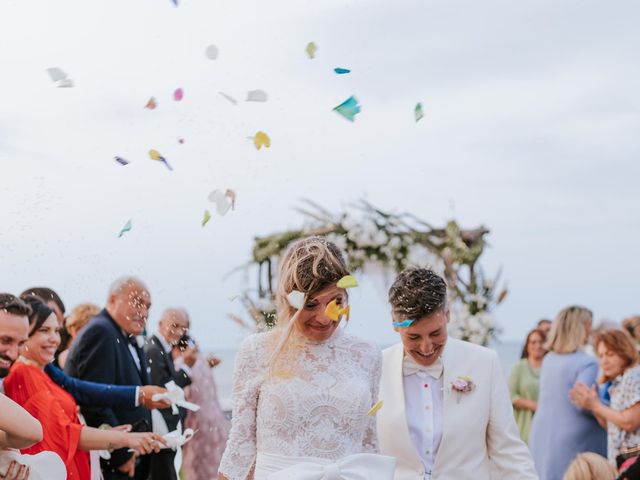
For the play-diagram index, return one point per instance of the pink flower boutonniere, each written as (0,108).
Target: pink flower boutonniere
(462,385)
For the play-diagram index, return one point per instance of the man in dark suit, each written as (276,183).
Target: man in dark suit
(174,323)
(106,351)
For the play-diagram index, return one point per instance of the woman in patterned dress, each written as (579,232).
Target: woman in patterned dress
(302,391)
(618,360)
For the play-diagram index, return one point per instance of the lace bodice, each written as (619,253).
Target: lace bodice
(318,408)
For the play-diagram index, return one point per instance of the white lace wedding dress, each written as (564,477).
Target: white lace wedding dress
(315,410)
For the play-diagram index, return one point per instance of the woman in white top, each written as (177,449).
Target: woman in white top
(302,391)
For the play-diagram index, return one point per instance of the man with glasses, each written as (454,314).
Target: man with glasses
(174,324)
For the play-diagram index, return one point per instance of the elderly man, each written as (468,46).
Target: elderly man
(108,351)
(174,323)
(447,413)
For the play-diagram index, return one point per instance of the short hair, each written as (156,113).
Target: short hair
(590,466)
(124,282)
(543,320)
(80,316)
(629,324)
(525,352)
(40,312)
(619,342)
(46,294)
(569,331)
(417,293)
(13,305)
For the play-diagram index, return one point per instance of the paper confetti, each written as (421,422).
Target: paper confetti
(334,312)
(231,195)
(121,160)
(206,218)
(155,155)
(406,323)
(296,299)
(59,77)
(231,99)
(418,112)
(178,94)
(127,228)
(261,139)
(222,201)
(341,71)
(151,104)
(181,141)
(311,49)
(348,281)
(175,3)
(349,108)
(256,96)
(212,52)
(375,408)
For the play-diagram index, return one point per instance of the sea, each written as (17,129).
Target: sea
(509,353)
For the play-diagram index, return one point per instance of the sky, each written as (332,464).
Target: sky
(531,129)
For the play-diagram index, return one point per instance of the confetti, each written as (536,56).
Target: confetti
(418,112)
(341,71)
(212,52)
(151,104)
(181,141)
(296,299)
(155,155)
(503,294)
(121,160)
(178,94)
(256,96)
(375,408)
(261,139)
(222,201)
(206,218)
(406,323)
(334,312)
(311,49)
(127,228)
(59,77)
(231,99)
(348,281)
(231,195)
(349,108)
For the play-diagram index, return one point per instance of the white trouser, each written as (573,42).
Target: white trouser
(361,466)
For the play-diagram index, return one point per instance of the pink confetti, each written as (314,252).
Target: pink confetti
(178,94)
(181,141)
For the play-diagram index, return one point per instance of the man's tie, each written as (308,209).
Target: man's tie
(410,366)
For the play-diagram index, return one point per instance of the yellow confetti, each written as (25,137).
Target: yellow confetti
(348,281)
(154,154)
(334,312)
(375,408)
(261,139)
(207,217)
(311,49)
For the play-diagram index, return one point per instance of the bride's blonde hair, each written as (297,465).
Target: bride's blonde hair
(308,266)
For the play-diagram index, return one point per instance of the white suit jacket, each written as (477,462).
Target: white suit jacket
(480,439)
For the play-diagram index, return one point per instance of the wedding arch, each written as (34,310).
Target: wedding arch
(376,239)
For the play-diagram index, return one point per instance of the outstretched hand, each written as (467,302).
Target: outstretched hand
(146,397)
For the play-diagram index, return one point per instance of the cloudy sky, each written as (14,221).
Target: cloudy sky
(531,128)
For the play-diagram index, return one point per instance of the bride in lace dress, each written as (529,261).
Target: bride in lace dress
(302,391)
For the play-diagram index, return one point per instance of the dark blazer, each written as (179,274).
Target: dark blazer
(163,371)
(101,354)
(91,393)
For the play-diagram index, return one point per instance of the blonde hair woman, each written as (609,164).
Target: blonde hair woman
(590,466)
(302,391)
(79,317)
(560,431)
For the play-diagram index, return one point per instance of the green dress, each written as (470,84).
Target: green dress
(524,382)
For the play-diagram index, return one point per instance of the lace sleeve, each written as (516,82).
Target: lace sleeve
(240,454)
(370,440)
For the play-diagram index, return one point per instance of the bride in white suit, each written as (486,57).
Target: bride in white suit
(302,391)
(447,414)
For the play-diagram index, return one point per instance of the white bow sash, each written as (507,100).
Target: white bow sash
(176,396)
(362,466)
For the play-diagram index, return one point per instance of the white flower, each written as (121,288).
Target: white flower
(395,242)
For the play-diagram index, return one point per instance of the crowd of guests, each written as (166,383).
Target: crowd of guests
(576,397)
(89,388)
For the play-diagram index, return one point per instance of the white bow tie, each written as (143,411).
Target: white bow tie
(410,366)
(361,466)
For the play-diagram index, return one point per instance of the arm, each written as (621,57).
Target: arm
(370,439)
(18,429)
(514,389)
(506,449)
(240,454)
(96,439)
(587,398)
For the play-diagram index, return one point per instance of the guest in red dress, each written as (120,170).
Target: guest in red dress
(28,385)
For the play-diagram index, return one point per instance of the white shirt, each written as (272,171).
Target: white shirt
(423,394)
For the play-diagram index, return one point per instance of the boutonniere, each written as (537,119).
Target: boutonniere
(462,384)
